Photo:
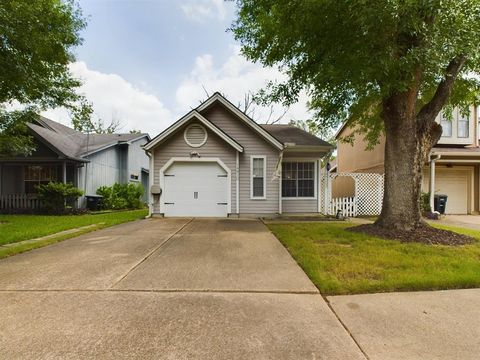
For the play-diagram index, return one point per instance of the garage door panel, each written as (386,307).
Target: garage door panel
(196,189)
(455,184)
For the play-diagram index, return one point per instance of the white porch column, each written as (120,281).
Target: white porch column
(431,183)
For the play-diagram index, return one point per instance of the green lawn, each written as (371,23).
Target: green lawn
(343,262)
(15,228)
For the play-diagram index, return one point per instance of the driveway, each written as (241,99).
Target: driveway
(465,221)
(166,289)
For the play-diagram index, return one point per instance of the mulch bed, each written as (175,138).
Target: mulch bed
(424,234)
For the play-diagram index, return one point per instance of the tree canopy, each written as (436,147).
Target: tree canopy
(37,38)
(350,55)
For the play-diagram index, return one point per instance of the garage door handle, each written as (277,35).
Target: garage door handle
(168,175)
(221,175)
(169,203)
(222,203)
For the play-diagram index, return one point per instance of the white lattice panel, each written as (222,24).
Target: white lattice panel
(368,192)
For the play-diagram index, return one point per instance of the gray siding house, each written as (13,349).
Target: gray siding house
(65,155)
(216,161)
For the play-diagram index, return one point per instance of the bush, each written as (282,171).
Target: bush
(425,203)
(56,196)
(121,196)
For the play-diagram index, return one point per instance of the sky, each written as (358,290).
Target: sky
(145,63)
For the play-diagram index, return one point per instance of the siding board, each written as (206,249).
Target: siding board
(176,146)
(253,144)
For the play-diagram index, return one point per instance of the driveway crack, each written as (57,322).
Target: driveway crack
(151,253)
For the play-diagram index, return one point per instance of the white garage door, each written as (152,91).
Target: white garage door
(195,189)
(455,184)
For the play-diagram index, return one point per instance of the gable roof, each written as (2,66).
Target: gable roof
(290,134)
(194,114)
(217,97)
(73,144)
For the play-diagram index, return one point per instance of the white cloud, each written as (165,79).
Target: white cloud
(234,78)
(202,10)
(114,97)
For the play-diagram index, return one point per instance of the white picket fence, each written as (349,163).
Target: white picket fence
(19,201)
(347,205)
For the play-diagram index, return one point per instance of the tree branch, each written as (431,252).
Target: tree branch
(444,89)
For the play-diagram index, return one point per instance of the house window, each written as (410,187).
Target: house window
(258,177)
(39,175)
(446,125)
(298,179)
(463,125)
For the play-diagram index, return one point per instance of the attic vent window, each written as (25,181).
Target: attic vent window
(195,135)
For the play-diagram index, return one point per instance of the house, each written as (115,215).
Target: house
(452,169)
(216,161)
(64,154)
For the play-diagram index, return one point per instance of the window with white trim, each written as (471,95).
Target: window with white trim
(446,125)
(298,179)
(463,124)
(258,174)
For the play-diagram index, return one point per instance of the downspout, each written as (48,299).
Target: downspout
(431,185)
(151,176)
(237,184)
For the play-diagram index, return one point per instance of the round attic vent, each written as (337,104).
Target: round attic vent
(195,135)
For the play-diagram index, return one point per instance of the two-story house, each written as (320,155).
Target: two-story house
(453,167)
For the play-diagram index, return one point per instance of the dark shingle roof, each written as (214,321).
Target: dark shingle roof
(292,134)
(74,144)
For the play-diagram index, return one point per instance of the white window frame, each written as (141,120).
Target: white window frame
(264,197)
(315,179)
(443,118)
(461,118)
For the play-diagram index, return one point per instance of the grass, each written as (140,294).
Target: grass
(342,262)
(16,228)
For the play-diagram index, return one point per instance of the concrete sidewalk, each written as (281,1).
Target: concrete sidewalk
(440,325)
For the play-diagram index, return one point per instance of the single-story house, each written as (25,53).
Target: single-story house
(216,162)
(65,155)
(452,169)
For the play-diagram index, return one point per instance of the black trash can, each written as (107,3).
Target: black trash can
(94,202)
(440,203)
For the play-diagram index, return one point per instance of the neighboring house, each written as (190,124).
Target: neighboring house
(66,155)
(453,167)
(216,161)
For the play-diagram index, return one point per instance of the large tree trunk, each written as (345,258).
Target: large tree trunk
(407,146)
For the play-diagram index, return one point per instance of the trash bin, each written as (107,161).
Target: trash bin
(440,203)
(94,202)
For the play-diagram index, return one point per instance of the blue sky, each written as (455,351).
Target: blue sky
(145,62)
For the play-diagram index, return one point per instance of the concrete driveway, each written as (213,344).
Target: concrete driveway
(166,289)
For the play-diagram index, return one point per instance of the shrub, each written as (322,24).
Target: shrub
(425,203)
(121,196)
(57,196)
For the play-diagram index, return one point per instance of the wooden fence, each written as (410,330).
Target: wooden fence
(19,201)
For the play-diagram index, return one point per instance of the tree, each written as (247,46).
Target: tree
(83,119)
(36,42)
(388,66)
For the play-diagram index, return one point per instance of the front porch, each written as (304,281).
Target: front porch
(19,181)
